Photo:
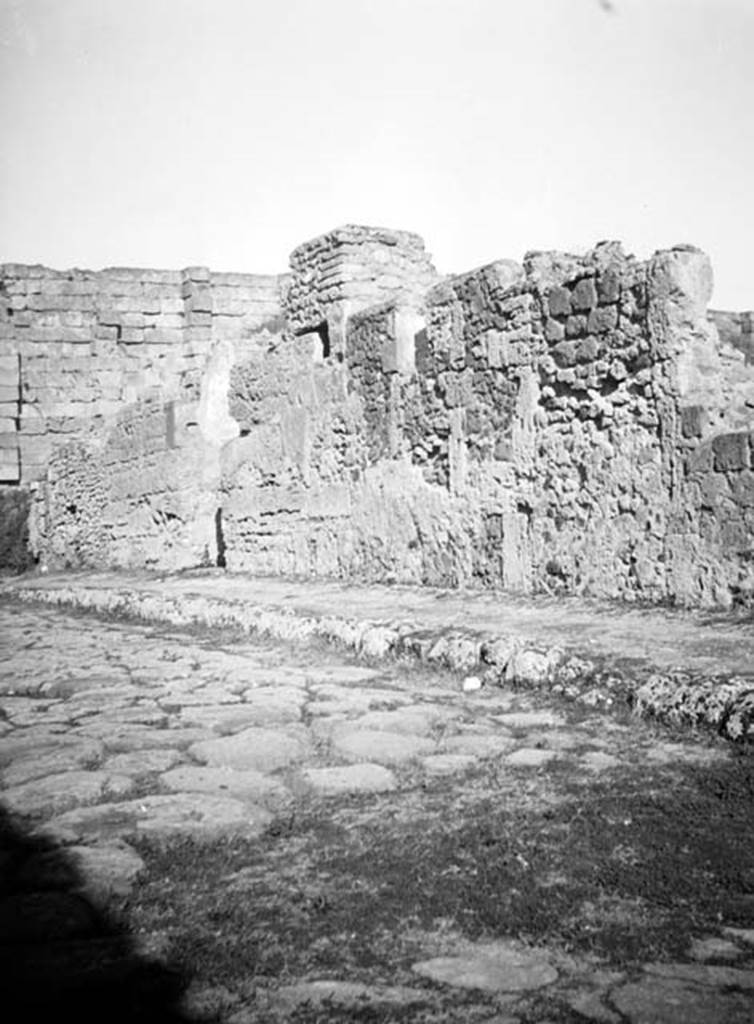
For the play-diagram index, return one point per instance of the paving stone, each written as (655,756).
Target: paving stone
(155,718)
(261,707)
(338,699)
(229,719)
(492,967)
(598,761)
(447,764)
(143,762)
(346,994)
(122,739)
(40,742)
(741,934)
(557,739)
(712,947)
(591,1006)
(704,974)
(262,750)
(198,815)
(244,785)
(356,778)
(54,794)
(412,720)
(530,719)
(52,761)
(665,752)
(177,696)
(530,757)
(388,748)
(106,870)
(478,744)
(73,684)
(655,1000)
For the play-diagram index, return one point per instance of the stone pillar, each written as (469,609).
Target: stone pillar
(10,392)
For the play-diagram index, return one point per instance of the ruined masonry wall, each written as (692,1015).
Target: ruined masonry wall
(349,269)
(574,424)
(76,347)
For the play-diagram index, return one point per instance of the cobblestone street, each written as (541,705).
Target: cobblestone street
(119,738)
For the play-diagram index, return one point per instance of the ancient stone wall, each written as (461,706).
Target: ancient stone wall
(78,346)
(573,424)
(346,270)
(736,329)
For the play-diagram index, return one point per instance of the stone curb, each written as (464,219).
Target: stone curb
(723,703)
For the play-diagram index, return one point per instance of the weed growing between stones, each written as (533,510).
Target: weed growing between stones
(623,871)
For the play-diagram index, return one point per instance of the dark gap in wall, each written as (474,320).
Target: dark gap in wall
(324,336)
(323,332)
(220,539)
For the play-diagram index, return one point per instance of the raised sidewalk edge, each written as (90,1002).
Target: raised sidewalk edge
(683,694)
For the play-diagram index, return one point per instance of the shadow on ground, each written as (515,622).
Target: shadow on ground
(62,956)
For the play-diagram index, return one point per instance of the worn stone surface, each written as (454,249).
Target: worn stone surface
(54,794)
(357,778)
(245,784)
(493,967)
(254,749)
(388,748)
(672,1001)
(192,814)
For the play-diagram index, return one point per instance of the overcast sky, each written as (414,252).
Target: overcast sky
(225,132)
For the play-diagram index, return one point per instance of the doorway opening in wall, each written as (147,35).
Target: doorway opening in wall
(321,341)
(219,539)
(323,333)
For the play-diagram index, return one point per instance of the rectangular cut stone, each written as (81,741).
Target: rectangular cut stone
(559,301)
(10,466)
(731,452)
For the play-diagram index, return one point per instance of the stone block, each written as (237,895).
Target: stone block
(608,286)
(693,420)
(564,353)
(497,349)
(587,350)
(713,487)
(559,301)
(584,295)
(9,368)
(743,488)
(10,466)
(731,452)
(132,335)
(576,326)
(9,393)
(602,319)
(7,425)
(554,330)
